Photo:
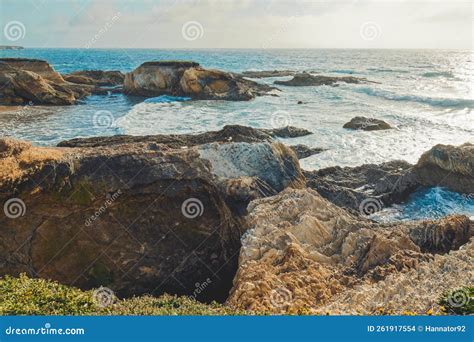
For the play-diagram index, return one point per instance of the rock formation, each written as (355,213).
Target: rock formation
(302,254)
(32,81)
(137,216)
(182,78)
(367,124)
(448,166)
(267,73)
(392,182)
(96,77)
(306,79)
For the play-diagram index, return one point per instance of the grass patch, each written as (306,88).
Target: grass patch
(28,296)
(458,301)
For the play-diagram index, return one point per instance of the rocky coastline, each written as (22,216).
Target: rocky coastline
(232,208)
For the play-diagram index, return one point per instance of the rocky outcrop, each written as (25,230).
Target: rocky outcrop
(96,77)
(267,73)
(31,81)
(303,151)
(181,78)
(306,79)
(229,133)
(448,166)
(20,87)
(378,185)
(302,254)
(367,124)
(136,216)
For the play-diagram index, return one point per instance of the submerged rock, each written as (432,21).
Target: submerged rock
(302,254)
(137,217)
(307,79)
(367,124)
(183,78)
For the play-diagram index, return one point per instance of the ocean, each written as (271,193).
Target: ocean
(427,95)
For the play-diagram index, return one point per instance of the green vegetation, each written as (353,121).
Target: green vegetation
(27,296)
(458,301)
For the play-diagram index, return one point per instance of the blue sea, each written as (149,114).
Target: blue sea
(427,95)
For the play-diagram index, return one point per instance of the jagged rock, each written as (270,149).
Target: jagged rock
(301,254)
(267,73)
(348,187)
(229,133)
(448,166)
(182,78)
(306,79)
(96,77)
(303,151)
(367,124)
(137,217)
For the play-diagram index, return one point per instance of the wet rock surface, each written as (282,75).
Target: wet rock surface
(348,187)
(229,133)
(367,124)
(184,78)
(96,77)
(306,79)
(138,217)
(303,151)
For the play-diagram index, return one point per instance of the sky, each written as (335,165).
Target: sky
(195,24)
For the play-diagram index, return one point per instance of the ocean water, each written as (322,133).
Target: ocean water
(427,95)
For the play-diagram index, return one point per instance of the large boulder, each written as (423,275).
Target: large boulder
(20,87)
(182,78)
(302,254)
(448,166)
(137,217)
(32,81)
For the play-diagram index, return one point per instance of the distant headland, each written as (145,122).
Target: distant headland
(11,47)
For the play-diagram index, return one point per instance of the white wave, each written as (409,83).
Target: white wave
(432,101)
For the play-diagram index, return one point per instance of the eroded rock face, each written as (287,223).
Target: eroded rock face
(138,217)
(306,79)
(367,124)
(181,78)
(448,166)
(302,254)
